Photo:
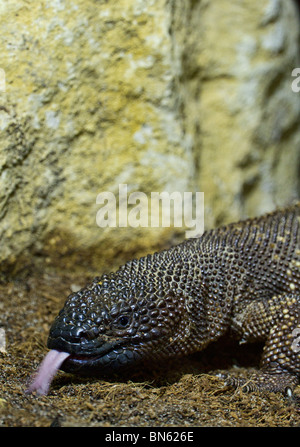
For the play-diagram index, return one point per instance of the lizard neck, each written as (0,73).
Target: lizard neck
(201,310)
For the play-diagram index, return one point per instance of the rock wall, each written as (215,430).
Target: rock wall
(239,107)
(158,95)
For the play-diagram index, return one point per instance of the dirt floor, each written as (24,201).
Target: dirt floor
(184,393)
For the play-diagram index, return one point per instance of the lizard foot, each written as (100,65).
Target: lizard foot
(262,381)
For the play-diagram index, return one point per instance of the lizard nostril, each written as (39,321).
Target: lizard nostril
(87,335)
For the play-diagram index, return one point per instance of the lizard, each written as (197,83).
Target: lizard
(241,278)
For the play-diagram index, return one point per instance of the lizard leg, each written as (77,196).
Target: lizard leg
(277,321)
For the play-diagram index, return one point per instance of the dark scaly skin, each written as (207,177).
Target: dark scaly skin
(243,278)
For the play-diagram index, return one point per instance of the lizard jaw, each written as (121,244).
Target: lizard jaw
(101,364)
(95,358)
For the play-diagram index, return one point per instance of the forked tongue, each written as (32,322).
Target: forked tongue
(47,370)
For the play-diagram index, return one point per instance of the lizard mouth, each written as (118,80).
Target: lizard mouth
(98,364)
(109,359)
(94,358)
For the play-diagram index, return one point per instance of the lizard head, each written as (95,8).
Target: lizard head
(120,319)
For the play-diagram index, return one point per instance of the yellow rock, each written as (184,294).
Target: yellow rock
(161,96)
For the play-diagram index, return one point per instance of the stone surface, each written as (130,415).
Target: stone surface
(158,95)
(240,110)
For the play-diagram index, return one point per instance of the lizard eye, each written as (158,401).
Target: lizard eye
(123,321)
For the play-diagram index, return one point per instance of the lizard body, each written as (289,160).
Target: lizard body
(243,278)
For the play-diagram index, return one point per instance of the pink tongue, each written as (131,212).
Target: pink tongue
(47,370)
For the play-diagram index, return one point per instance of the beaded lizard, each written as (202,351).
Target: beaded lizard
(242,278)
